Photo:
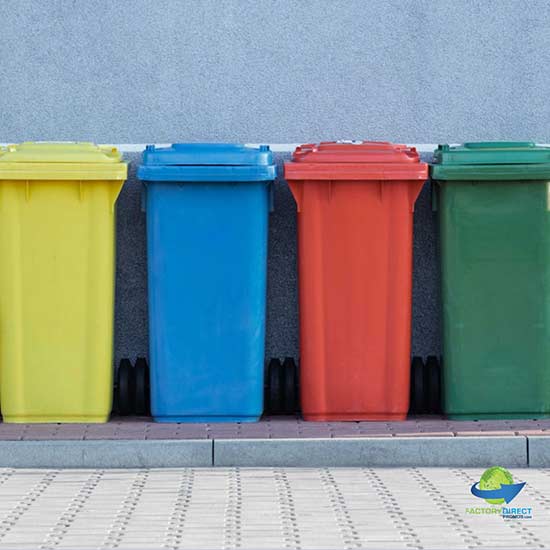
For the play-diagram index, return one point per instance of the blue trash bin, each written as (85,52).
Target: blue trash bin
(207,220)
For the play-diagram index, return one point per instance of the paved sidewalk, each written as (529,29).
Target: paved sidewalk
(133,428)
(277,441)
(302,508)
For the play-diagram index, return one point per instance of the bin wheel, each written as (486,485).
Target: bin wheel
(124,387)
(433,375)
(290,386)
(141,387)
(417,386)
(275,387)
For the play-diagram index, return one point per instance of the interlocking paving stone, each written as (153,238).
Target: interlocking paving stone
(272,508)
(270,428)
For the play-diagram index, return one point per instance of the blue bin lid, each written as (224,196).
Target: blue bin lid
(207,162)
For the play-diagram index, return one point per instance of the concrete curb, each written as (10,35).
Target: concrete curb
(511,451)
(395,451)
(105,454)
(539,451)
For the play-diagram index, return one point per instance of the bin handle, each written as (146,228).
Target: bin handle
(116,188)
(414,190)
(296,188)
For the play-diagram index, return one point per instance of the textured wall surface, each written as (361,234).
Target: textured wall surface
(279,71)
(276,71)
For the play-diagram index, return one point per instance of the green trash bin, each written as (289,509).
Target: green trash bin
(494,212)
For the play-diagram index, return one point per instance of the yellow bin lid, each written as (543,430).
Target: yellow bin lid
(61,161)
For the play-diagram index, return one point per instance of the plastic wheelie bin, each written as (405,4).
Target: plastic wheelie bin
(57,245)
(355,217)
(207,220)
(494,212)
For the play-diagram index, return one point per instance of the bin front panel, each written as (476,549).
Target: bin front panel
(56,300)
(495,250)
(355,262)
(207,262)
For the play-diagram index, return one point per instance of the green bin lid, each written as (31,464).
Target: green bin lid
(491,160)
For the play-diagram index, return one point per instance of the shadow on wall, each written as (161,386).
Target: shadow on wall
(131,325)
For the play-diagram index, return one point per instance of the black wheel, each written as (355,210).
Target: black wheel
(125,387)
(290,389)
(275,387)
(141,387)
(417,386)
(433,375)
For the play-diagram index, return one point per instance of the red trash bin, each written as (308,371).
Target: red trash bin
(355,218)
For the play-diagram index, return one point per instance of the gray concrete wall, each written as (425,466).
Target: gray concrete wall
(277,71)
(280,71)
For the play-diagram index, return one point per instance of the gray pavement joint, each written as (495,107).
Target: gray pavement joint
(232,523)
(18,511)
(392,507)
(181,508)
(119,526)
(470,539)
(287,509)
(75,507)
(349,534)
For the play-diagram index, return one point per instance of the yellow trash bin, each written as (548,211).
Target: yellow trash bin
(57,264)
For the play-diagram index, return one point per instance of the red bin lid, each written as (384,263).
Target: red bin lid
(355,160)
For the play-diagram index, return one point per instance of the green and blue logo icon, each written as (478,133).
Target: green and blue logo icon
(496,486)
